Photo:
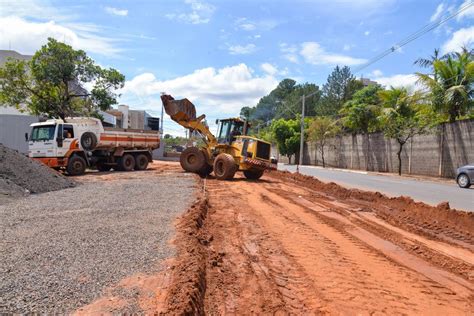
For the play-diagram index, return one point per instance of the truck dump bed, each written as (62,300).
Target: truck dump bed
(126,138)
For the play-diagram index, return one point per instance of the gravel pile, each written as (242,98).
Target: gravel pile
(60,250)
(17,170)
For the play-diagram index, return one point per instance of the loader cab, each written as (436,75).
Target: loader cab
(229,129)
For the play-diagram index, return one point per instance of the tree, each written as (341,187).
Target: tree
(320,130)
(339,88)
(266,108)
(52,83)
(287,136)
(401,117)
(247,112)
(360,114)
(290,106)
(452,84)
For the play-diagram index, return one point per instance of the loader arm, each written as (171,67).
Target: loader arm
(183,112)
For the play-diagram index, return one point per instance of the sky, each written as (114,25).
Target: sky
(224,54)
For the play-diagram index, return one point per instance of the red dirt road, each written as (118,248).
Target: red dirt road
(290,244)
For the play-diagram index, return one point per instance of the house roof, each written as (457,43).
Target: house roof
(4,54)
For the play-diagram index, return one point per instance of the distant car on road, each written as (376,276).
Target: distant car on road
(465,176)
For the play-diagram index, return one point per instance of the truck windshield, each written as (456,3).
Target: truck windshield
(44,132)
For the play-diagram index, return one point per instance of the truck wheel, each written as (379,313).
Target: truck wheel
(88,141)
(141,162)
(224,167)
(463,181)
(76,166)
(126,163)
(253,174)
(192,159)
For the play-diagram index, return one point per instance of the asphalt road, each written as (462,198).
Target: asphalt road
(430,192)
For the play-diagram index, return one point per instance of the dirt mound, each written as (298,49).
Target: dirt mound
(402,211)
(20,175)
(188,279)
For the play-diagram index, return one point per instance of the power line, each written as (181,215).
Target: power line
(427,28)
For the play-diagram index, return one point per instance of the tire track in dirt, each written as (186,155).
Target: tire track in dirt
(278,255)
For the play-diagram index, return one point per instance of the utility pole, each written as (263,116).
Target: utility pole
(161,126)
(300,160)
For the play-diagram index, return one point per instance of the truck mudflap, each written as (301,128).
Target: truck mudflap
(261,164)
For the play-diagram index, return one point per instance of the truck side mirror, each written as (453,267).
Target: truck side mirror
(217,121)
(26,137)
(59,140)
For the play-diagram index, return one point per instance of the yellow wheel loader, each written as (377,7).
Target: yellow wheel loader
(231,151)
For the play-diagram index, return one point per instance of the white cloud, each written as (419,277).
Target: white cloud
(347,47)
(32,8)
(215,92)
(468,13)
(397,81)
(242,50)
(115,11)
(201,13)
(26,36)
(260,25)
(314,54)
(289,52)
(269,69)
(376,73)
(460,38)
(367,33)
(438,13)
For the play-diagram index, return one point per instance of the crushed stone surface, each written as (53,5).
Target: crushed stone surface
(59,250)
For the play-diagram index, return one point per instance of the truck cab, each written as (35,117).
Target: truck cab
(52,138)
(76,143)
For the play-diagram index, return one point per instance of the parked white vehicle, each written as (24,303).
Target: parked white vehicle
(74,144)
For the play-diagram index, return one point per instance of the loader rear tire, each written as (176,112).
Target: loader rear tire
(126,163)
(224,167)
(192,159)
(141,162)
(76,166)
(253,174)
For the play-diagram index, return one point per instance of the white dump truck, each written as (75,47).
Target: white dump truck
(75,144)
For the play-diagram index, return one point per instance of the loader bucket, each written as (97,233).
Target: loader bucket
(178,110)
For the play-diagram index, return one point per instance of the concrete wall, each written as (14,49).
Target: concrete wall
(437,153)
(13,129)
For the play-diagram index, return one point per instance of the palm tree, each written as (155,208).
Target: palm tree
(452,84)
(428,62)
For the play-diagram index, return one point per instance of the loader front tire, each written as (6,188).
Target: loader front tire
(224,167)
(192,159)
(253,174)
